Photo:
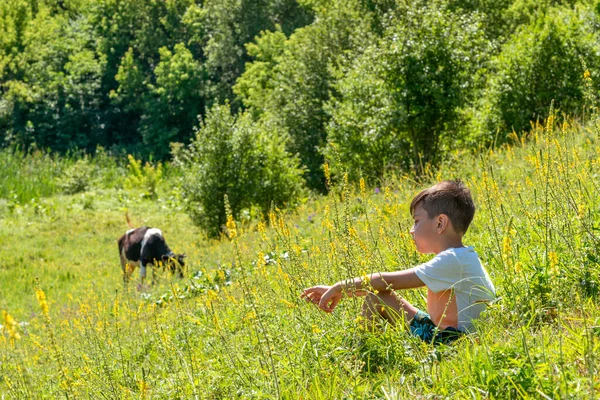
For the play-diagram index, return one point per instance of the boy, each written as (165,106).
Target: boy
(458,286)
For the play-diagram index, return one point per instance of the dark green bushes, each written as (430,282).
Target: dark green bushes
(540,63)
(399,101)
(247,162)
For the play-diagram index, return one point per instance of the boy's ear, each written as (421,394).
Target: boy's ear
(442,223)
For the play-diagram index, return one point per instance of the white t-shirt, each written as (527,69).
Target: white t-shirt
(458,270)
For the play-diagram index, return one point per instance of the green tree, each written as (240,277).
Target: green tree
(230,24)
(289,82)
(247,161)
(540,63)
(51,96)
(174,101)
(399,103)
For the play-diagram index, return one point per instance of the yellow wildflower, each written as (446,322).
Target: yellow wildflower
(553,261)
(581,210)
(287,303)
(41,298)
(231,228)
(327,174)
(11,326)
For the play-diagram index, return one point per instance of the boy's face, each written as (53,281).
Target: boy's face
(424,231)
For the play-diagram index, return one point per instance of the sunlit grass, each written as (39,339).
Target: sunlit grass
(235,327)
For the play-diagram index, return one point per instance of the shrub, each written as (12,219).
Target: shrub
(401,98)
(540,63)
(146,177)
(78,177)
(248,162)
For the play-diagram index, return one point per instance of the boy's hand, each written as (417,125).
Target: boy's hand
(325,297)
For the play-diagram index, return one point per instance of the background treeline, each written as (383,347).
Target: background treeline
(261,92)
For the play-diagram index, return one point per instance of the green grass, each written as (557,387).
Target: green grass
(236,328)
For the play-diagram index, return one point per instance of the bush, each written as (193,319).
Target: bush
(147,177)
(78,177)
(540,63)
(248,162)
(401,98)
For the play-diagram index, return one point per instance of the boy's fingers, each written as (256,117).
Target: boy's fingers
(334,303)
(329,301)
(323,302)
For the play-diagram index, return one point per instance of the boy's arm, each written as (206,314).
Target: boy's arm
(327,297)
(383,281)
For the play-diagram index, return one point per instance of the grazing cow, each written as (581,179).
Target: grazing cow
(144,246)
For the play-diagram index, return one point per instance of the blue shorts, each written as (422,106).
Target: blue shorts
(423,327)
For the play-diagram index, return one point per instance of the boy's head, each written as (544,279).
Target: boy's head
(451,198)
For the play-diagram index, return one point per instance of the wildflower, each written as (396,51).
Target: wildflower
(315,329)
(116,307)
(553,262)
(327,174)
(143,386)
(231,228)
(262,230)
(221,275)
(362,186)
(581,210)
(288,303)
(10,326)
(518,266)
(41,298)
(586,74)
(506,247)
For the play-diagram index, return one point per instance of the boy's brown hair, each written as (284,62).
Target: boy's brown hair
(452,198)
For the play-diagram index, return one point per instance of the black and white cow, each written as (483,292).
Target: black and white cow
(146,246)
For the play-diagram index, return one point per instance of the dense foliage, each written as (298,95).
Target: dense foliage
(134,74)
(369,85)
(245,161)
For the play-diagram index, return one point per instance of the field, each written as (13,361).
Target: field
(235,327)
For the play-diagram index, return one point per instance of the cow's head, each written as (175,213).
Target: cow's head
(175,263)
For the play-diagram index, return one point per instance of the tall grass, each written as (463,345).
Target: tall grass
(30,176)
(236,328)
(26,176)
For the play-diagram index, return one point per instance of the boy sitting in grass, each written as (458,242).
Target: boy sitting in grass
(458,286)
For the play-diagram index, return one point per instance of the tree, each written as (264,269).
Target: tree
(290,81)
(51,96)
(173,103)
(539,64)
(400,100)
(235,157)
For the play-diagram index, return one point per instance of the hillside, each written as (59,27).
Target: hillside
(235,326)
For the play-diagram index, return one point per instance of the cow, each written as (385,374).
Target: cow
(146,246)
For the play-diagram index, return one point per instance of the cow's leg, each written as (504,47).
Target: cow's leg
(142,272)
(154,274)
(125,268)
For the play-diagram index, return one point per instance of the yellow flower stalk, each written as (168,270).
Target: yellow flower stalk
(553,261)
(11,326)
(41,298)
(287,303)
(327,174)
(231,228)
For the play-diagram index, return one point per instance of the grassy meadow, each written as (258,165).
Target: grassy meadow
(235,327)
